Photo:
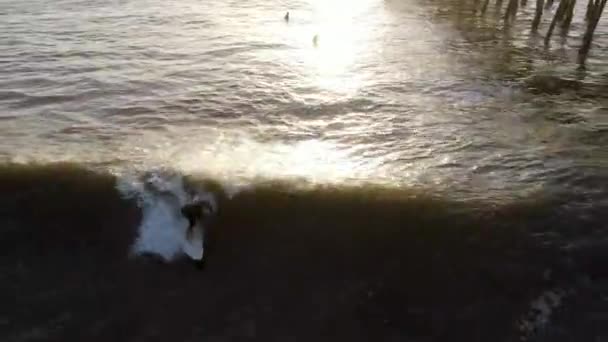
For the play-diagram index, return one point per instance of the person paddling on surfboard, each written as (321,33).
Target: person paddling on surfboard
(195,213)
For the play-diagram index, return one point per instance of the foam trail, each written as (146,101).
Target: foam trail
(162,230)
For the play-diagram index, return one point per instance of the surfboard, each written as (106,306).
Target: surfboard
(193,244)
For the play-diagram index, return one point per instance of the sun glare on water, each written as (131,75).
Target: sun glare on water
(237,157)
(340,37)
(329,43)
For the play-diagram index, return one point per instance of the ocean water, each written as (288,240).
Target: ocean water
(380,169)
(394,92)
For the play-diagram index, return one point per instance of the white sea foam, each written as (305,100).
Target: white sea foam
(162,230)
(539,314)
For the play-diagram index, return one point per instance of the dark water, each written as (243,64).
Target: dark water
(421,174)
(323,262)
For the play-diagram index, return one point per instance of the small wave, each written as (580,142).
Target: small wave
(11,95)
(42,100)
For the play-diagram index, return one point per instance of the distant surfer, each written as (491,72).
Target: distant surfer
(195,213)
(286,17)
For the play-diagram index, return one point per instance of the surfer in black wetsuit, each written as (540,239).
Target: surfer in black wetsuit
(195,213)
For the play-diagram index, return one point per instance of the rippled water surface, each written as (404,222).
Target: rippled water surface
(391,170)
(402,92)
